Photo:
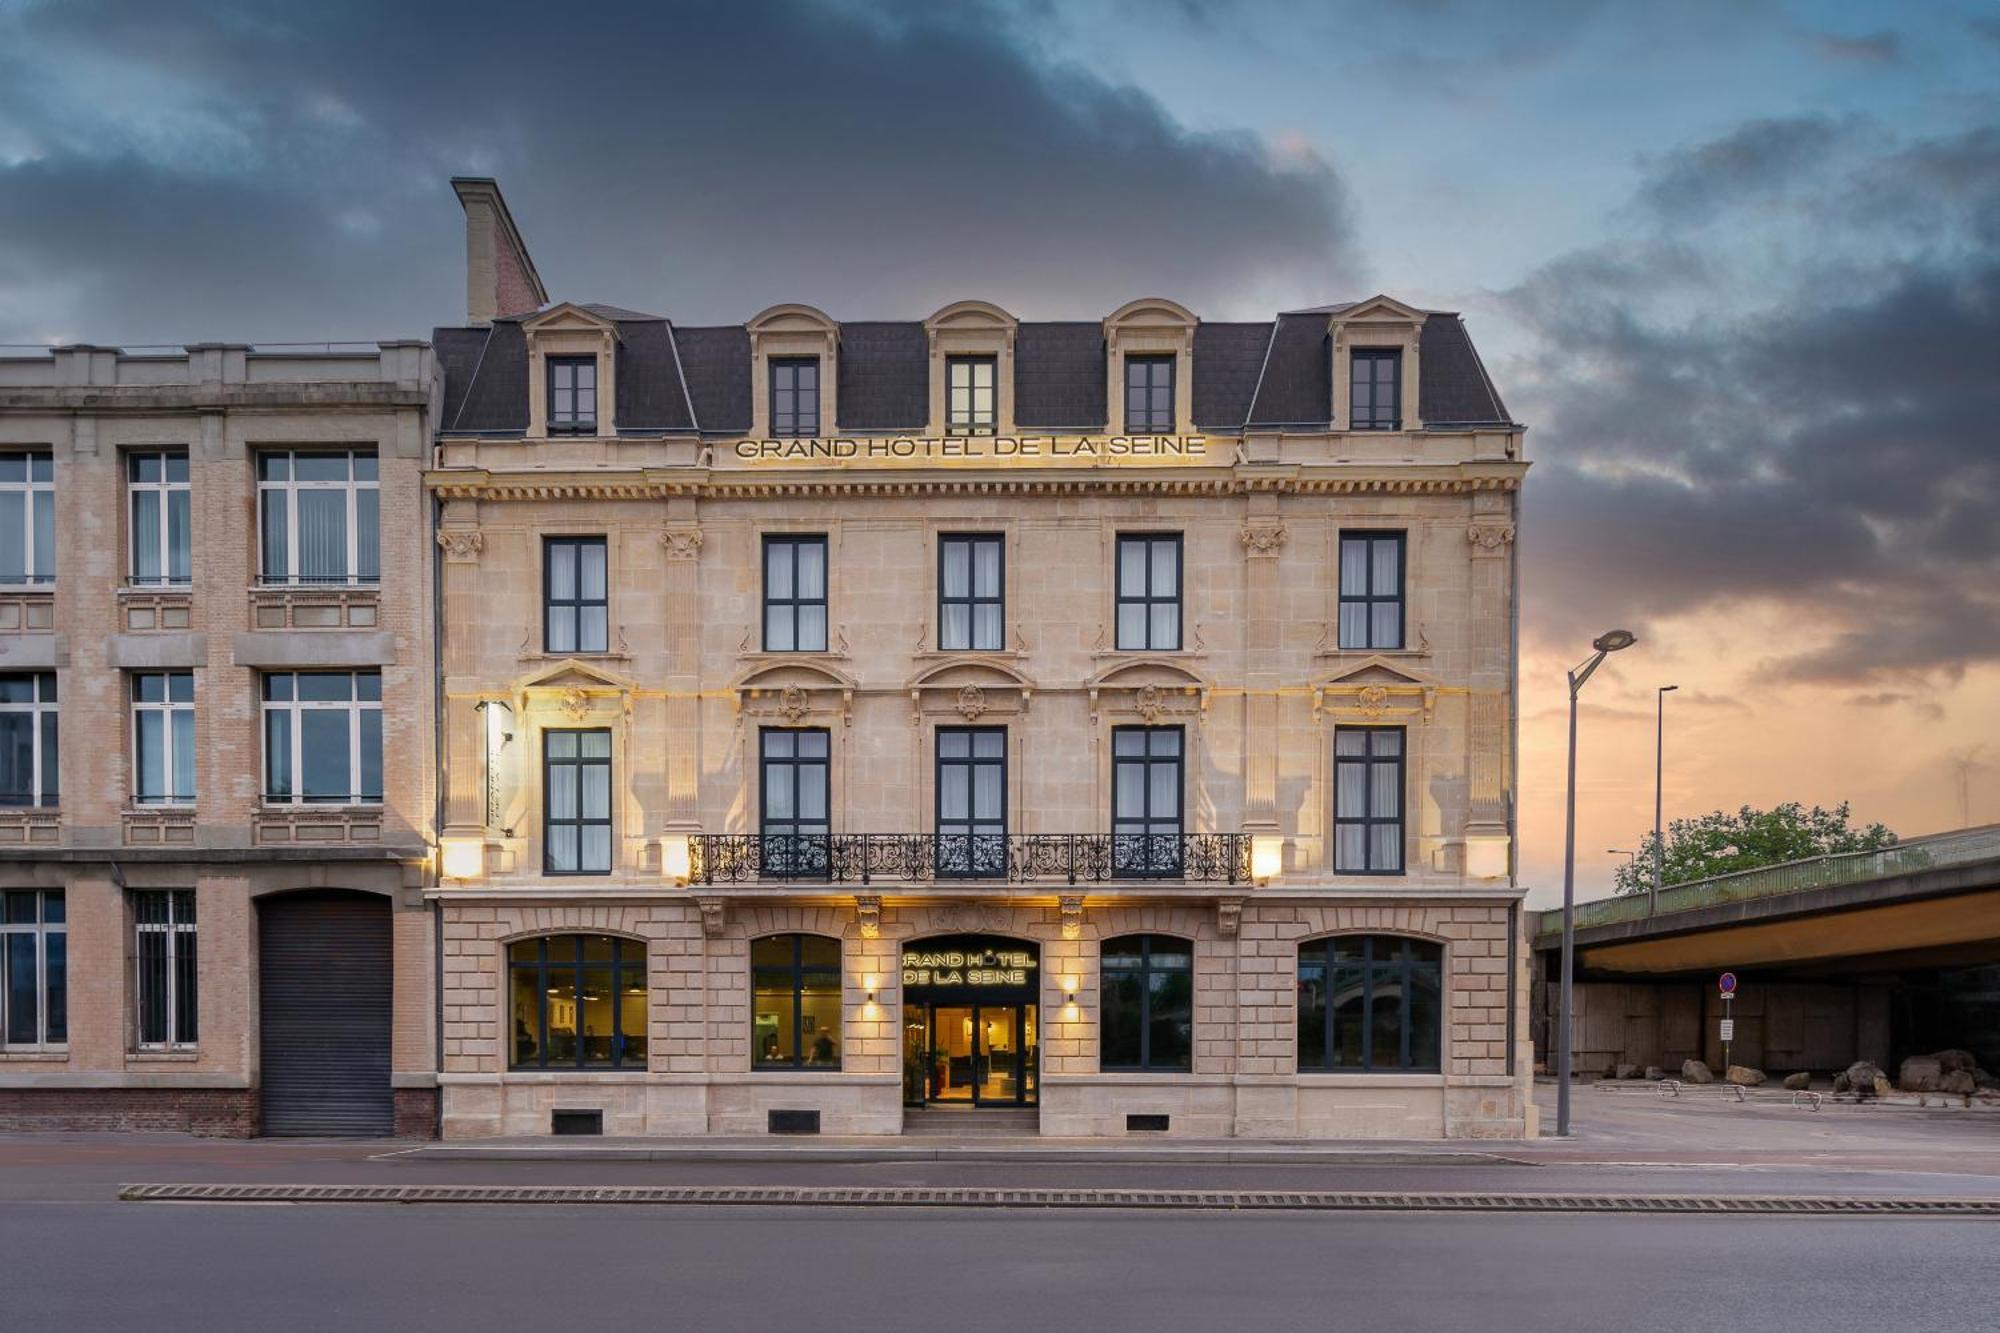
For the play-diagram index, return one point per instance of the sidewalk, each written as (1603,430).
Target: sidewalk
(884,1148)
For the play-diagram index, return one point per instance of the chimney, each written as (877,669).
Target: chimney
(500,279)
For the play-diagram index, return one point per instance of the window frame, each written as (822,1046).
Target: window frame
(792,542)
(297,708)
(798,429)
(40,929)
(788,862)
(175,926)
(291,488)
(1373,356)
(1145,422)
(1148,868)
(168,708)
(580,762)
(1145,972)
(1148,598)
(1369,599)
(45,710)
(161,494)
(38,477)
(1407,966)
(578,602)
(972,424)
(575,423)
(621,967)
(1368,821)
(798,972)
(985,854)
(973,599)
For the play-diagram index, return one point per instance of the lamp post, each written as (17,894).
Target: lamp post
(1620,851)
(1659,767)
(1607,643)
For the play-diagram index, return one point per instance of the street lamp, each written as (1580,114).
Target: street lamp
(1607,643)
(1620,851)
(1659,762)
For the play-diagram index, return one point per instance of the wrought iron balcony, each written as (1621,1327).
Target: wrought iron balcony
(1023,858)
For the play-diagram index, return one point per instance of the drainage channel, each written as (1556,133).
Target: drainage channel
(918,1197)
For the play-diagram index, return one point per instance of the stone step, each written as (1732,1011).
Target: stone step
(971,1122)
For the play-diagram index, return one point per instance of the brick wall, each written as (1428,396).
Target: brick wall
(229,1113)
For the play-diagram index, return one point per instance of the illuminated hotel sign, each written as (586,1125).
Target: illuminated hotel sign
(921,450)
(976,967)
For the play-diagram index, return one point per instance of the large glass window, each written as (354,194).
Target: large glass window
(572,395)
(323,737)
(972,594)
(577,1002)
(1375,374)
(167,990)
(163,737)
(34,969)
(795,1002)
(793,769)
(1370,1002)
(576,614)
(577,790)
(1368,800)
(1146,989)
(794,396)
(29,753)
(27,518)
(1146,787)
(970,395)
(1149,395)
(972,801)
(1371,590)
(162,538)
(1149,592)
(320,517)
(795,594)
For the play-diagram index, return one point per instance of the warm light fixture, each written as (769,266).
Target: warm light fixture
(463,858)
(1267,857)
(677,858)
(869,982)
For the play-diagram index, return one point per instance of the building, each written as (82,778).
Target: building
(216,739)
(850,723)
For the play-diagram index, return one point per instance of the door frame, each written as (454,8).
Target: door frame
(1018,1008)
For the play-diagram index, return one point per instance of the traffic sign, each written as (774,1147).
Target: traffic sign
(1729,1029)
(1726,983)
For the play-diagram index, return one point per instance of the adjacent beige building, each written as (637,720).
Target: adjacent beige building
(1105,724)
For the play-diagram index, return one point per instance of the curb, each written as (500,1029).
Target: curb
(959,1153)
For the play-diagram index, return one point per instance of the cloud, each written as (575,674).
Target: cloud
(256,170)
(1876,48)
(1756,158)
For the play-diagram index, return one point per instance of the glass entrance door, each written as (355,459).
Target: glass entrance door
(954,1052)
(979,1054)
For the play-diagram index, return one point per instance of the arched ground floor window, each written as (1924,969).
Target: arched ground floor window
(578,1002)
(1370,1003)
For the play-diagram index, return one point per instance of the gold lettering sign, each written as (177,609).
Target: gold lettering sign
(971,450)
(952,967)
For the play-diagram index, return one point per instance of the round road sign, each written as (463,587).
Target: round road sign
(1726,983)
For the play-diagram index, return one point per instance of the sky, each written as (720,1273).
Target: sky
(1735,263)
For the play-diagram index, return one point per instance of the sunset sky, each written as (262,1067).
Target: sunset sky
(1736,264)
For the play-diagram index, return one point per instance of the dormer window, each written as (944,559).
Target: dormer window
(1376,388)
(971,401)
(572,395)
(794,396)
(1149,395)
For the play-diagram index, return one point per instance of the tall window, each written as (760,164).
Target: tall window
(1375,374)
(972,801)
(163,737)
(792,767)
(29,754)
(1149,591)
(794,396)
(34,969)
(1370,1002)
(572,395)
(576,787)
(795,1002)
(162,538)
(323,737)
(1371,590)
(1149,395)
(970,395)
(1147,1003)
(27,518)
(972,594)
(576,615)
(321,517)
(1368,800)
(164,919)
(795,594)
(1146,777)
(577,1002)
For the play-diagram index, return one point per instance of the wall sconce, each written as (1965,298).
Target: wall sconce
(677,858)
(1267,857)
(462,858)
(869,982)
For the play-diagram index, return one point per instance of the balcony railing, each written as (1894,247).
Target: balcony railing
(1025,858)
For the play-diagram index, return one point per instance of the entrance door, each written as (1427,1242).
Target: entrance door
(981,1054)
(325,974)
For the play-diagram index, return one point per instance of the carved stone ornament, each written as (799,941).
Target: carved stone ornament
(681,543)
(793,703)
(1228,916)
(1264,538)
(1071,907)
(1372,700)
(714,915)
(1490,536)
(971,702)
(575,703)
(868,907)
(461,543)
(971,918)
(1150,702)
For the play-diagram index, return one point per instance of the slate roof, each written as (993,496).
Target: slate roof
(1059,376)
(1227,359)
(884,377)
(1295,388)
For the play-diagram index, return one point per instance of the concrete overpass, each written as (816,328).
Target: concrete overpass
(1874,955)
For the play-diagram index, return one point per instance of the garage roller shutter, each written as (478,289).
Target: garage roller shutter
(324,961)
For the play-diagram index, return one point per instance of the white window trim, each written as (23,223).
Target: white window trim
(173,929)
(29,488)
(297,708)
(41,929)
(291,486)
(159,492)
(35,708)
(166,708)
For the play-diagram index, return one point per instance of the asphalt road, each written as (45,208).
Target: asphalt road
(108,1267)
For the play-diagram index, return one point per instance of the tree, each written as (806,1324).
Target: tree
(1722,843)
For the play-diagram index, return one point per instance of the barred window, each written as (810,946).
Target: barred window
(168,1008)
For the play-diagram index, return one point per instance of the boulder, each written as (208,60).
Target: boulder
(1951,1061)
(1625,1071)
(1984,1079)
(1798,1082)
(1883,1087)
(1655,1073)
(1860,1078)
(1841,1083)
(1919,1073)
(1958,1082)
(1743,1076)
(1694,1071)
